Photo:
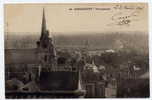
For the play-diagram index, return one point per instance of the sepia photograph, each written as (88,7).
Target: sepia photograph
(76,50)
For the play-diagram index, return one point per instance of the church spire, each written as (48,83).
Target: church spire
(43,28)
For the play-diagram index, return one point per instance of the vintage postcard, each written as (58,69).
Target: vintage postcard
(76,50)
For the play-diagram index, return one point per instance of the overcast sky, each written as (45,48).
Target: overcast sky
(61,20)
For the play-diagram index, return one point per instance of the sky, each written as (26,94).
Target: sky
(77,18)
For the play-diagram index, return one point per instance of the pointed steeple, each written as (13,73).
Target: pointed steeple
(43,27)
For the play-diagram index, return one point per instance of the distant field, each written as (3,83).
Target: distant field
(137,40)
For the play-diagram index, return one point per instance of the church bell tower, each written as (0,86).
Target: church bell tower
(45,45)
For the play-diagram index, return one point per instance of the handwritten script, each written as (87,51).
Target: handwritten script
(122,18)
(119,17)
(125,19)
